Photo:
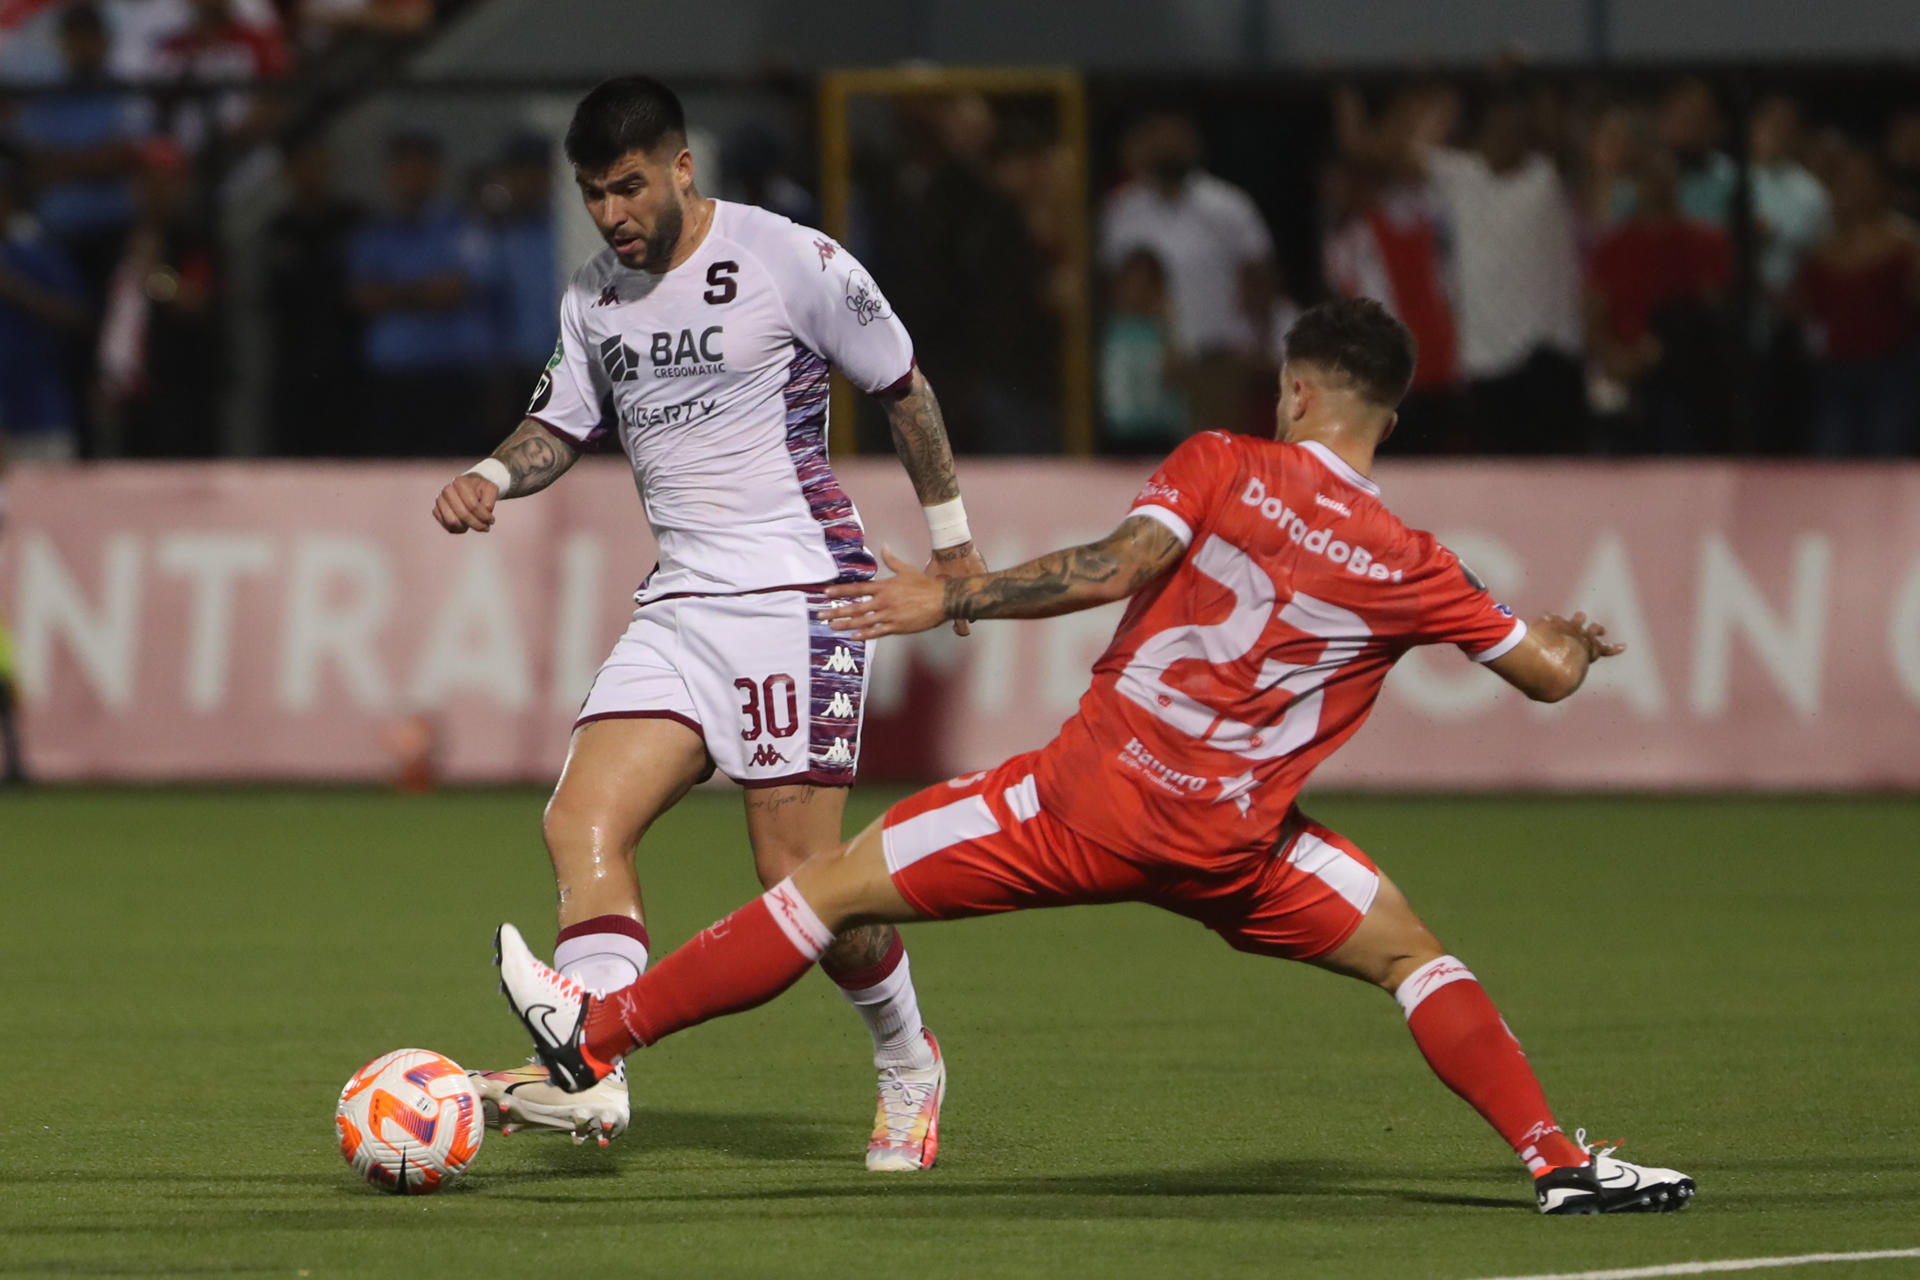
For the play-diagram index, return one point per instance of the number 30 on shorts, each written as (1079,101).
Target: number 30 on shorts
(771,707)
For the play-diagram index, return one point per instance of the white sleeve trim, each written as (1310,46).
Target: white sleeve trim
(1505,646)
(1181,529)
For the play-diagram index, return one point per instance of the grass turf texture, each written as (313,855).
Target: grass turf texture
(190,976)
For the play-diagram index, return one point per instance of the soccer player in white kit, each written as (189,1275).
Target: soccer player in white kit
(699,342)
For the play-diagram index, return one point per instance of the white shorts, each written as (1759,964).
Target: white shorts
(777,695)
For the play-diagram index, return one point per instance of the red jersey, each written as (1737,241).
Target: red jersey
(1643,266)
(1235,675)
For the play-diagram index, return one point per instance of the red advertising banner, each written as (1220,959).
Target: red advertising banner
(276,621)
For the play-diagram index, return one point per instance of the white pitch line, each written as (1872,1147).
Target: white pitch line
(1725,1264)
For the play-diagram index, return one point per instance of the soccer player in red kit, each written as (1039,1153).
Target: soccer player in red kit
(1271,592)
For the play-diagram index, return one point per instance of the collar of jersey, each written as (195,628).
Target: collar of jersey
(1339,466)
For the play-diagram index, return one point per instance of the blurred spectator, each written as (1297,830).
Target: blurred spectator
(160,356)
(216,47)
(1219,265)
(1390,242)
(1859,290)
(1790,214)
(84,145)
(1903,163)
(1689,128)
(1789,205)
(958,259)
(1139,403)
(1515,273)
(316,328)
(141,27)
(1604,191)
(754,168)
(1036,171)
(420,273)
(324,21)
(42,309)
(521,199)
(1655,285)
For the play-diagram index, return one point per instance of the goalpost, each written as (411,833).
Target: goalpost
(838,89)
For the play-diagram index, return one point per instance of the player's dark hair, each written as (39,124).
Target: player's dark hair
(1358,340)
(626,113)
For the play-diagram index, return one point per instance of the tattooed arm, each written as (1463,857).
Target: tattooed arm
(1135,554)
(920,438)
(534,458)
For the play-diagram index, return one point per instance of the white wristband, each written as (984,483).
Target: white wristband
(495,470)
(947,524)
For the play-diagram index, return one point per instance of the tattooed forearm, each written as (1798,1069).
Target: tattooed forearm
(920,438)
(535,458)
(1129,558)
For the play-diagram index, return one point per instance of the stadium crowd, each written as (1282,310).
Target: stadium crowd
(1587,271)
(1580,272)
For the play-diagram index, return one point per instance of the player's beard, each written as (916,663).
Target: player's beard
(664,240)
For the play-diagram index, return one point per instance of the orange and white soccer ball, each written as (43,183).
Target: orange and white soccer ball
(410,1122)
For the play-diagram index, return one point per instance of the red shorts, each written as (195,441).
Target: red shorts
(982,844)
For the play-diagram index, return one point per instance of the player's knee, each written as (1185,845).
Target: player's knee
(575,833)
(778,861)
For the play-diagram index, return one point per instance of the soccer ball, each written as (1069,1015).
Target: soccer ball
(410,1122)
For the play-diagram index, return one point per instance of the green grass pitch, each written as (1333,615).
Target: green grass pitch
(188,977)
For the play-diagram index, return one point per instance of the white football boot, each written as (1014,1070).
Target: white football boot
(553,1009)
(1611,1185)
(906,1120)
(525,1097)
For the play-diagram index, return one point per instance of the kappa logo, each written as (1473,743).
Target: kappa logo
(839,752)
(842,661)
(609,297)
(826,249)
(840,706)
(765,757)
(621,360)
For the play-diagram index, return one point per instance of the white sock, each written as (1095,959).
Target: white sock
(601,962)
(891,1009)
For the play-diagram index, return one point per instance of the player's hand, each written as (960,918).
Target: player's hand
(466,503)
(961,561)
(908,602)
(1589,634)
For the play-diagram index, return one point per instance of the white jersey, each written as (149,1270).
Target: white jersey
(714,378)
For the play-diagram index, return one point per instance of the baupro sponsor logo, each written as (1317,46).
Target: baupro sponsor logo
(1356,559)
(1135,755)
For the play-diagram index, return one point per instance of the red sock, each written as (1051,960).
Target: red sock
(1467,1044)
(745,960)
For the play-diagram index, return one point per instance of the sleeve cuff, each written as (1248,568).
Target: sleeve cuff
(1505,646)
(1181,529)
(899,387)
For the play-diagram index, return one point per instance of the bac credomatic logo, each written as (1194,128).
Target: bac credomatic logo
(621,360)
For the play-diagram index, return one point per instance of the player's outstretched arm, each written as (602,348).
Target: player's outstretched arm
(526,462)
(1084,577)
(920,438)
(1551,660)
